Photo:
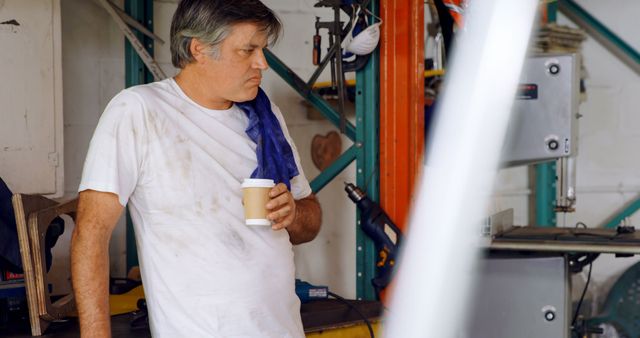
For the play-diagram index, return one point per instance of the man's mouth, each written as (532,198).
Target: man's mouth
(255,79)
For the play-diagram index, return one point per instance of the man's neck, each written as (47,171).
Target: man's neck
(191,85)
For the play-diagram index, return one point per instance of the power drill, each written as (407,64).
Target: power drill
(384,233)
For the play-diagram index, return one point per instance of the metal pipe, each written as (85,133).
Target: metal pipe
(566,192)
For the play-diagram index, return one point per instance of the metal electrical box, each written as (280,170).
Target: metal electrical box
(31,124)
(523,297)
(544,120)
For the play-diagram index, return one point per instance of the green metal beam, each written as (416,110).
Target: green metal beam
(552,11)
(305,91)
(546,194)
(334,169)
(626,212)
(136,73)
(367,173)
(601,33)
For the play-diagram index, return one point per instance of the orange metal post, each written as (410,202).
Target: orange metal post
(401,104)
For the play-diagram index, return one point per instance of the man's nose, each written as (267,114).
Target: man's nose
(260,61)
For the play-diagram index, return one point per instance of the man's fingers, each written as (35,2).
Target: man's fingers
(281,213)
(285,222)
(282,206)
(279,189)
(278,201)
(278,226)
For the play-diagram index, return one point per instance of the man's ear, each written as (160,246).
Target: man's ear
(198,50)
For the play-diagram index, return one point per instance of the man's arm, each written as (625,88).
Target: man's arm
(98,213)
(301,218)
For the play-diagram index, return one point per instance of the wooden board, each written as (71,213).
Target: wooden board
(22,204)
(33,215)
(38,224)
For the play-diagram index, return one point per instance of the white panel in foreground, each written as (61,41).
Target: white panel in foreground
(437,265)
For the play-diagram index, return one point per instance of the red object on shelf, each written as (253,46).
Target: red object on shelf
(8,276)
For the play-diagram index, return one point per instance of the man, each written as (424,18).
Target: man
(177,151)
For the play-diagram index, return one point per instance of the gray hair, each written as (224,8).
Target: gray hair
(211,21)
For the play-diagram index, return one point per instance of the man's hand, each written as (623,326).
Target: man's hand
(282,207)
(301,218)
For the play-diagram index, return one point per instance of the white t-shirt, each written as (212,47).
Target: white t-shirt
(179,166)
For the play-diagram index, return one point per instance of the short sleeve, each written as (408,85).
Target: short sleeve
(114,160)
(300,187)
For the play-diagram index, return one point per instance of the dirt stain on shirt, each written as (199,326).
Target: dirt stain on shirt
(235,244)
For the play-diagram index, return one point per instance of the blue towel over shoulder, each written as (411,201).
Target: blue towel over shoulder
(275,157)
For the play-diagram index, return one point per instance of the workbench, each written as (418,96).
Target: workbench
(529,238)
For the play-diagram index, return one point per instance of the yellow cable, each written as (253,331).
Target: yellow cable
(433,72)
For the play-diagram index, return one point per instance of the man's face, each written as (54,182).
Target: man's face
(236,72)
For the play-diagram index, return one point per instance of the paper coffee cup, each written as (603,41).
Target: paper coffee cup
(255,196)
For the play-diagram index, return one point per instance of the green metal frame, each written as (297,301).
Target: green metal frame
(334,169)
(546,194)
(602,34)
(627,211)
(364,150)
(552,11)
(136,73)
(367,164)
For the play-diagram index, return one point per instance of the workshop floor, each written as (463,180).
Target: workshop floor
(120,327)
(317,316)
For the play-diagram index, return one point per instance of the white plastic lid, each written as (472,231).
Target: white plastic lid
(258,183)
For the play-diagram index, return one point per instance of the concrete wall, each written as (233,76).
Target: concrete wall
(93,68)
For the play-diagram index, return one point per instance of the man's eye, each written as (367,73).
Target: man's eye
(248,51)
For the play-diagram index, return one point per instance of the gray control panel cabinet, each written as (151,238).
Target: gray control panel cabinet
(543,123)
